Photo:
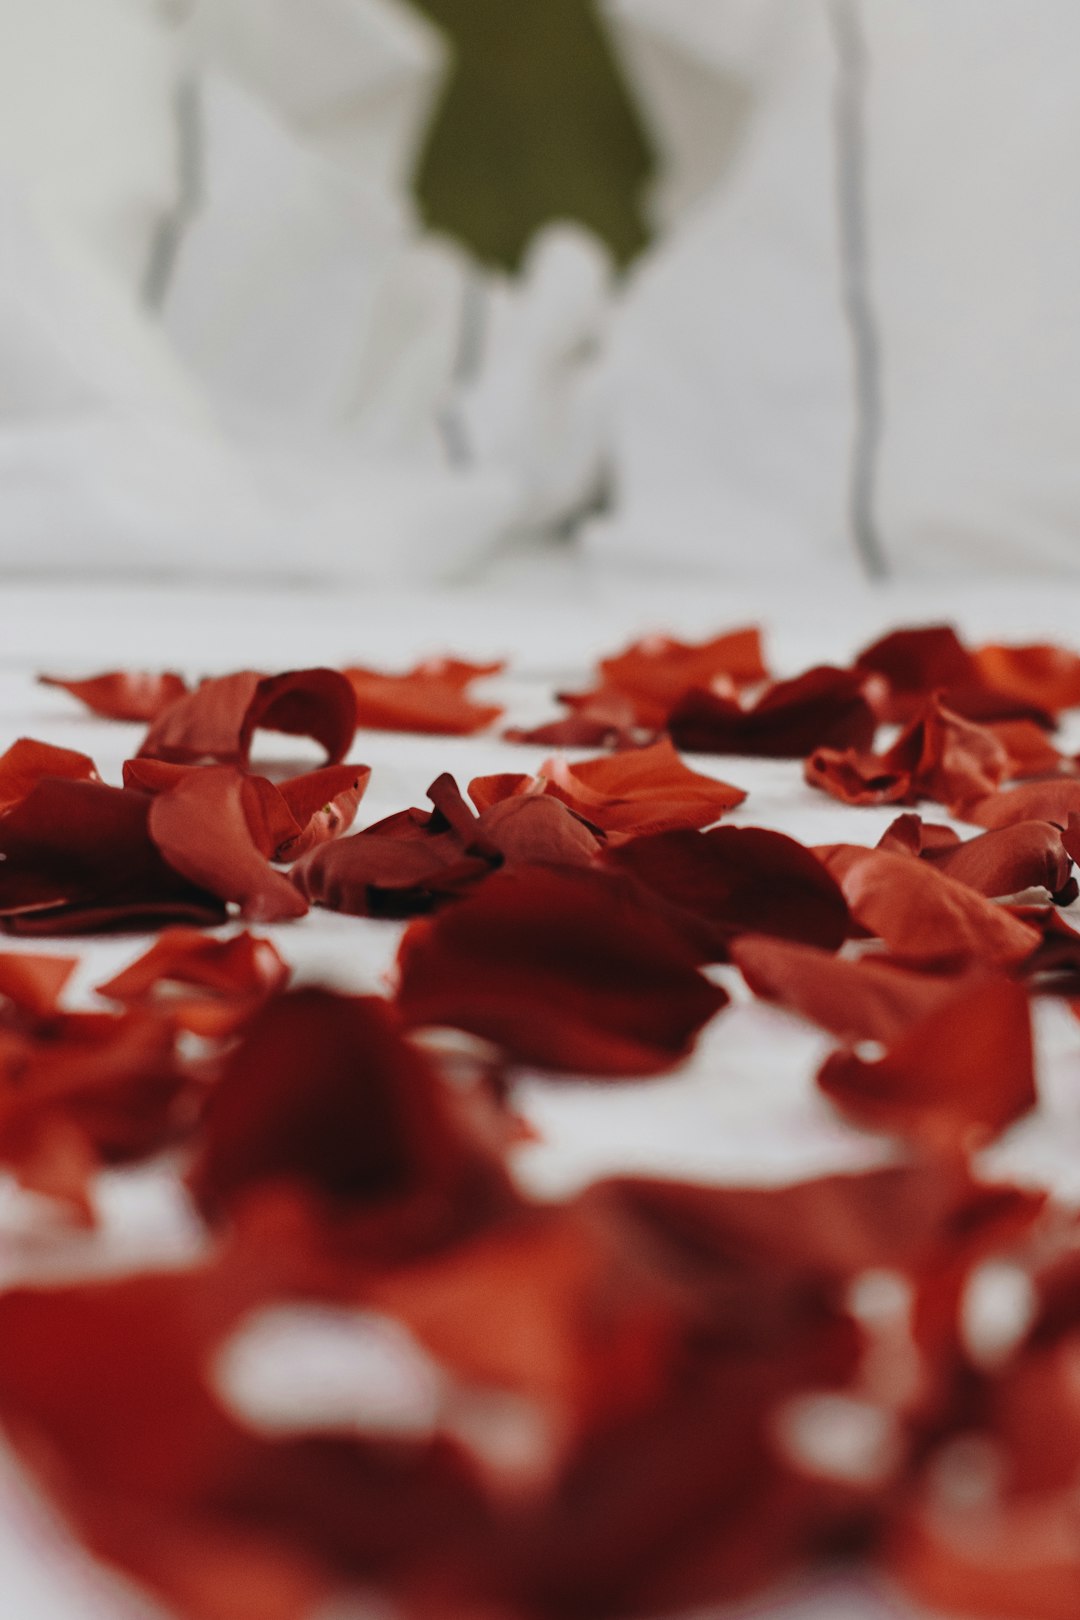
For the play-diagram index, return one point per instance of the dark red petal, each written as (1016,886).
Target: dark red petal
(326,1094)
(563,969)
(79,858)
(825,707)
(717,885)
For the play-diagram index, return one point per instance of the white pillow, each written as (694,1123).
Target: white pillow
(872,306)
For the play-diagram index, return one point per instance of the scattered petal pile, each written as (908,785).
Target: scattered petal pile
(648,1396)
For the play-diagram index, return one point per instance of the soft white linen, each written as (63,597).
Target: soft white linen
(225,344)
(743,1110)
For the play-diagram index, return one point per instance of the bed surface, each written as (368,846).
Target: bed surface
(743,1110)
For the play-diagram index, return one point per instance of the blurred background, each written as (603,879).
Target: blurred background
(536,123)
(388,290)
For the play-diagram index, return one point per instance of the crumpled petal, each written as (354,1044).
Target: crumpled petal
(562,969)
(825,707)
(409,863)
(940,756)
(219,719)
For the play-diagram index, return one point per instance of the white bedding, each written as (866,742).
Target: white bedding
(743,1110)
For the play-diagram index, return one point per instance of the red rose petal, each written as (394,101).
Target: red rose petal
(645,790)
(1035,801)
(963,1074)
(79,858)
(863,1000)
(717,885)
(219,719)
(202,826)
(326,1095)
(561,968)
(406,865)
(432,698)
(206,985)
(124,694)
(940,756)
(1043,675)
(925,917)
(28,761)
(825,707)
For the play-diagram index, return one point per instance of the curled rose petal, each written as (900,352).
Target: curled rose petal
(78,858)
(219,719)
(124,694)
(825,707)
(27,761)
(644,790)
(863,1000)
(563,969)
(924,916)
(323,804)
(432,698)
(712,887)
(1004,861)
(961,1075)
(286,820)
(202,826)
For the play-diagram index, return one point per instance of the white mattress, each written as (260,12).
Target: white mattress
(743,1110)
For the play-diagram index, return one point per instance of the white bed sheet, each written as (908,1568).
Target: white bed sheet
(743,1110)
